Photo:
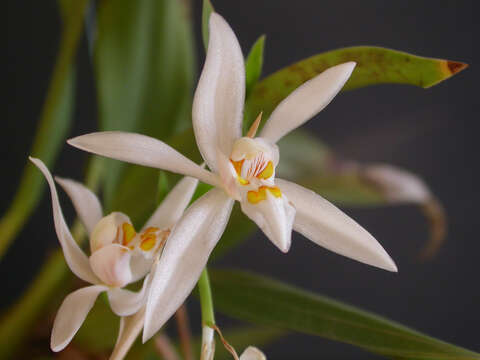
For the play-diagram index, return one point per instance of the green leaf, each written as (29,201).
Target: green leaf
(144,70)
(100,329)
(18,321)
(375,65)
(265,301)
(206,12)
(53,125)
(302,155)
(345,189)
(254,64)
(239,228)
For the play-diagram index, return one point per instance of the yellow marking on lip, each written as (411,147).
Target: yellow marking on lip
(254,197)
(238,168)
(267,172)
(148,242)
(128,233)
(275,191)
(149,230)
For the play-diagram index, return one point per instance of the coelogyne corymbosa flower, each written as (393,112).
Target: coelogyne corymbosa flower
(243,169)
(119,256)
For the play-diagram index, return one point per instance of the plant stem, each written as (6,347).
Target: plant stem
(206,302)
(208,317)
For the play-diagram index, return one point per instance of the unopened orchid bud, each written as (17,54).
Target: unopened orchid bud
(397,185)
(252,353)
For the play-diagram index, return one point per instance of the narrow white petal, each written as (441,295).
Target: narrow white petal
(252,353)
(306,101)
(74,256)
(173,206)
(274,216)
(184,257)
(327,226)
(85,202)
(111,264)
(142,150)
(72,314)
(130,328)
(218,103)
(125,302)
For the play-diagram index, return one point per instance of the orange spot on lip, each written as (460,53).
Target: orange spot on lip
(267,172)
(128,233)
(148,242)
(238,168)
(254,197)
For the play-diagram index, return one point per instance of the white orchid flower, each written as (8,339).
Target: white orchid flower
(119,256)
(243,169)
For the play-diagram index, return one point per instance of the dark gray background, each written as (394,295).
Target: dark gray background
(431,132)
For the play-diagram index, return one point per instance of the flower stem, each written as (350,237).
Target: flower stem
(208,316)
(206,302)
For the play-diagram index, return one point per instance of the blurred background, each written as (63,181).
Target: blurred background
(433,133)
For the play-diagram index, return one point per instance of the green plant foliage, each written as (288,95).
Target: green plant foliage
(254,64)
(257,299)
(206,11)
(144,63)
(100,329)
(348,190)
(53,125)
(16,323)
(375,65)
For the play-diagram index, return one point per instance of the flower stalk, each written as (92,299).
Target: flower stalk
(208,316)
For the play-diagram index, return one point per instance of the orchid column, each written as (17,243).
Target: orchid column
(242,169)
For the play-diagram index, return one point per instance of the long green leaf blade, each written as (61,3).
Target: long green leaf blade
(145,71)
(206,11)
(265,301)
(375,65)
(254,65)
(54,123)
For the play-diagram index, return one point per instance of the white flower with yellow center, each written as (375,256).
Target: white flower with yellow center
(118,256)
(243,169)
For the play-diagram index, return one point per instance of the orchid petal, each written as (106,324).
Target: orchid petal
(173,206)
(227,174)
(84,201)
(130,327)
(72,314)
(125,302)
(274,215)
(111,264)
(74,256)
(184,257)
(106,231)
(142,150)
(306,101)
(218,103)
(252,353)
(326,225)
(140,266)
